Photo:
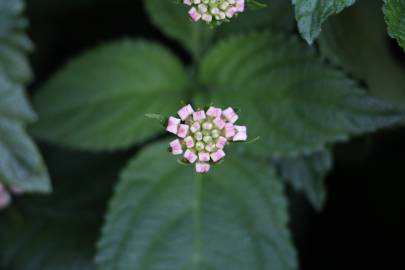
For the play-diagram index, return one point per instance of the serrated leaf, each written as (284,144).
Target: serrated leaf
(173,20)
(307,174)
(14,42)
(99,100)
(310,14)
(20,162)
(59,232)
(342,43)
(165,216)
(288,97)
(394,11)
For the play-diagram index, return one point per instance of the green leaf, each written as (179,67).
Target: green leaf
(59,232)
(277,15)
(311,14)
(343,43)
(288,97)
(14,42)
(394,11)
(173,20)
(99,100)
(21,164)
(165,216)
(307,174)
(253,4)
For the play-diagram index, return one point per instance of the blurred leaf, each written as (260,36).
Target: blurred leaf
(307,174)
(173,20)
(253,4)
(311,14)
(59,232)
(394,11)
(277,15)
(20,162)
(165,216)
(288,97)
(34,243)
(357,41)
(99,100)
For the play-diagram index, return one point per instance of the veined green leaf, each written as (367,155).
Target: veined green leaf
(288,97)
(99,100)
(234,217)
(343,43)
(307,174)
(310,14)
(20,162)
(394,11)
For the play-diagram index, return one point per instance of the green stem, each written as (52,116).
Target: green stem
(196,43)
(197,221)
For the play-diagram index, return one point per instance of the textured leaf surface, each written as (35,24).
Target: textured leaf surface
(289,98)
(235,217)
(99,100)
(342,42)
(394,11)
(307,174)
(310,14)
(59,232)
(20,162)
(173,20)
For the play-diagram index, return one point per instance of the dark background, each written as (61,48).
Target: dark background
(362,226)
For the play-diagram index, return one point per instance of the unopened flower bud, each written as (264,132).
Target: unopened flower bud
(204,135)
(216,11)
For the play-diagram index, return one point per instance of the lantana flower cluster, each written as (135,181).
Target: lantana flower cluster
(203,135)
(5,194)
(214,10)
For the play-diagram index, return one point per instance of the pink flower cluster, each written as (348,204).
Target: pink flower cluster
(5,197)
(214,10)
(203,135)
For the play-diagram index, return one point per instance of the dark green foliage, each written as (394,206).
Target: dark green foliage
(350,38)
(100,99)
(307,174)
(20,162)
(297,100)
(59,231)
(310,15)
(176,219)
(394,16)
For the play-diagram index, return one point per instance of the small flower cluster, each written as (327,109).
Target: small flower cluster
(214,10)
(5,197)
(203,135)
